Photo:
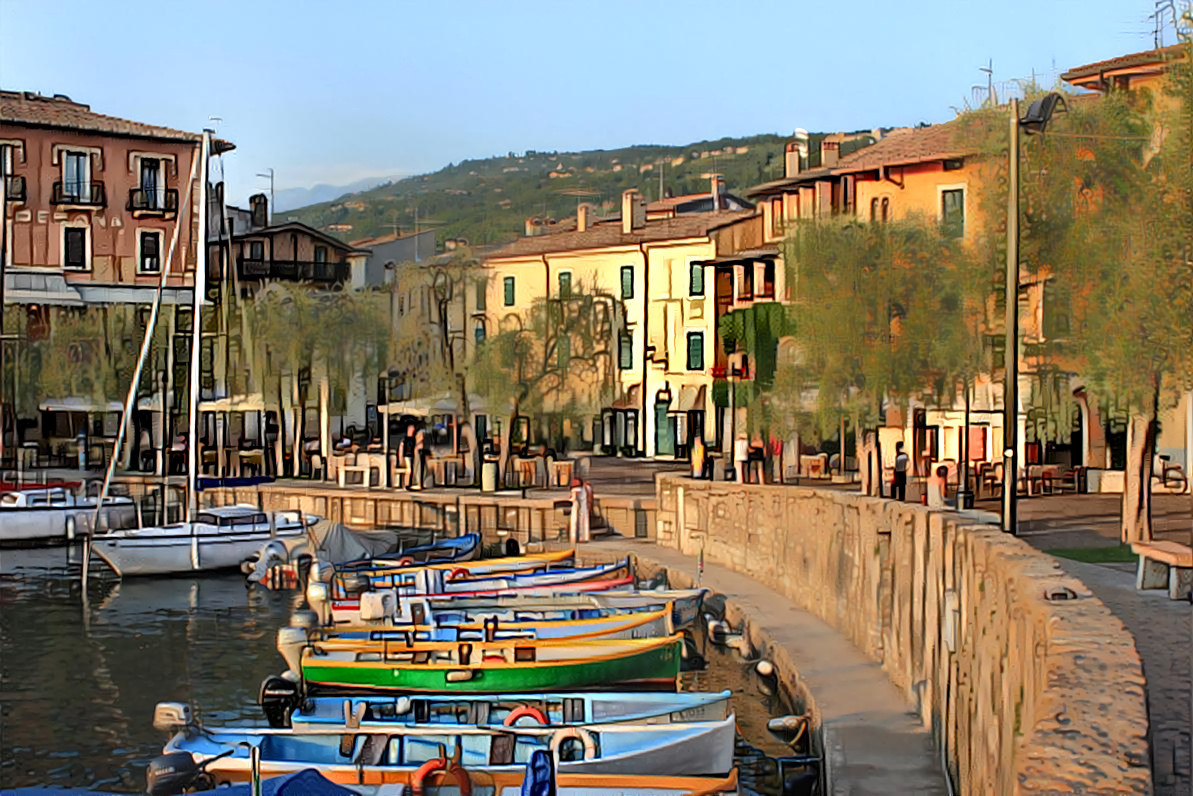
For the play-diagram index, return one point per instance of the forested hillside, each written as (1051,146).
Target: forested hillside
(487,201)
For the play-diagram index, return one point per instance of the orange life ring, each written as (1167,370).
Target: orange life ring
(457,573)
(526,710)
(439,764)
(580,734)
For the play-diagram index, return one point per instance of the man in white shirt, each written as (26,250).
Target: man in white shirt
(741,456)
(902,462)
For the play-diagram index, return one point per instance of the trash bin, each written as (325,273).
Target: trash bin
(489,476)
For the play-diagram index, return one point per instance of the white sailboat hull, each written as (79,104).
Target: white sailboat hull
(189,546)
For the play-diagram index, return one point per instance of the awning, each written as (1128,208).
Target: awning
(691,398)
(423,407)
(234,403)
(631,400)
(33,287)
(767,253)
(79,405)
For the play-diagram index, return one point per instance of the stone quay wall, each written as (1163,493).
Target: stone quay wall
(1028,683)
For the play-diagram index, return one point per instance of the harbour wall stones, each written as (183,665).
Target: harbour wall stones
(1028,683)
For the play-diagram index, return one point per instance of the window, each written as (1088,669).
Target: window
(256,250)
(952,212)
(480,296)
(625,352)
(776,216)
(151,187)
(627,281)
(745,284)
(873,209)
(565,284)
(767,289)
(479,332)
(509,291)
(74,248)
(695,350)
(76,176)
(320,254)
(150,261)
(886,209)
(696,279)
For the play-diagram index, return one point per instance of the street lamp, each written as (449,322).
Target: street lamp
(269,215)
(1039,113)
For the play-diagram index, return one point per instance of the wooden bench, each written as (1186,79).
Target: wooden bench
(1165,564)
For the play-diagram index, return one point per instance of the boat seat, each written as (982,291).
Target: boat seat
(371,751)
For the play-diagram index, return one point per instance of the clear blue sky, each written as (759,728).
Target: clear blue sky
(335,91)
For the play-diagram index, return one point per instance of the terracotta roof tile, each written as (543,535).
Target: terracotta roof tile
(1145,58)
(23,107)
(608,233)
(906,145)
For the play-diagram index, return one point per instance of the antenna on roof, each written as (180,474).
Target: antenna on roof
(989,70)
(1161,6)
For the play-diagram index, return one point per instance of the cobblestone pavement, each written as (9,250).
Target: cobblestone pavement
(1053,521)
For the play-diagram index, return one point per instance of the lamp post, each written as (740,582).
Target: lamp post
(269,215)
(1035,121)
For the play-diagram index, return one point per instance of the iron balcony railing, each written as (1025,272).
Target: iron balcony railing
(297,270)
(153,200)
(87,194)
(14,188)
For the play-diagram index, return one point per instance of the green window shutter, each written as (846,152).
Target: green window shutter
(695,350)
(625,352)
(509,291)
(627,282)
(565,284)
(696,280)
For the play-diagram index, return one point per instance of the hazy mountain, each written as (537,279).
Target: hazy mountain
(290,198)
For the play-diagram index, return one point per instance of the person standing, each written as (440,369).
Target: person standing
(937,487)
(697,458)
(902,462)
(420,459)
(581,506)
(741,457)
(406,454)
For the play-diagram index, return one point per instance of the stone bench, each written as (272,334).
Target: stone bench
(1165,564)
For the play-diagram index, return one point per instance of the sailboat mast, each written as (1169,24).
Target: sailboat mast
(192,442)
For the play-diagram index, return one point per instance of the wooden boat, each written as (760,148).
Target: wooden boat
(394,753)
(610,625)
(490,667)
(686,602)
(218,538)
(345,607)
(386,572)
(498,710)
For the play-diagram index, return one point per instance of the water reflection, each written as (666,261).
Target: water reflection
(78,685)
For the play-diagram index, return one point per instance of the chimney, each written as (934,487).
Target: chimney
(584,217)
(830,153)
(532,226)
(633,211)
(797,154)
(259,207)
(876,133)
(718,191)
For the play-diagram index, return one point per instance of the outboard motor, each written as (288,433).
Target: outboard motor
(172,774)
(318,599)
(690,658)
(172,717)
(290,642)
(278,698)
(356,584)
(303,565)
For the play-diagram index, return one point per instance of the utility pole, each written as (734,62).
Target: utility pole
(269,215)
(1010,434)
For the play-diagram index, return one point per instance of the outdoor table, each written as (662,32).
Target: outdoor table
(254,457)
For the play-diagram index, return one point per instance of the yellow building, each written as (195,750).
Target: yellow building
(656,268)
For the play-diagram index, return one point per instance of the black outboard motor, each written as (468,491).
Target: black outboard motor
(278,698)
(512,548)
(690,658)
(171,774)
(303,568)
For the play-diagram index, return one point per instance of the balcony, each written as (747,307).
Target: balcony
(14,189)
(78,194)
(292,270)
(153,203)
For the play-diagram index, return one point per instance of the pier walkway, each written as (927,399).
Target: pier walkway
(875,743)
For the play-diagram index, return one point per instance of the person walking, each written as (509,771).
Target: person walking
(902,462)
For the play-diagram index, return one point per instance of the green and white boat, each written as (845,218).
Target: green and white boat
(500,666)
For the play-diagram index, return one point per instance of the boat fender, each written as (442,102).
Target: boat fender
(718,630)
(70,528)
(463,781)
(526,710)
(765,668)
(458,574)
(171,774)
(249,565)
(580,734)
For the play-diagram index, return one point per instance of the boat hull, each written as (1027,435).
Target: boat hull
(177,552)
(653,666)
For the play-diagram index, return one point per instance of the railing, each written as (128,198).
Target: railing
(14,188)
(153,201)
(78,193)
(306,270)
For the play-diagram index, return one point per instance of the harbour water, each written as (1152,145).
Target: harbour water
(78,681)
